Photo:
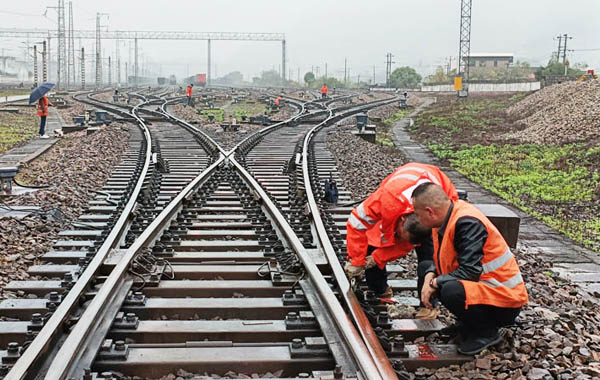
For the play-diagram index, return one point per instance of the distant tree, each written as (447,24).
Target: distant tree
(405,77)
(440,76)
(516,72)
(309,78)
(556,68)
(268,78)
(331,82)
(234,77)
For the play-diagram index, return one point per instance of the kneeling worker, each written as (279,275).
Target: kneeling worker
(381,229)
(473,271)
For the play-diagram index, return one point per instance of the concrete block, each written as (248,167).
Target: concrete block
(504,219)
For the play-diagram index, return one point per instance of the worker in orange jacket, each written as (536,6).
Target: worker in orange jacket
(42,112)
(278,101)
(383,227)
(324,90)
(188,91)
(473,272)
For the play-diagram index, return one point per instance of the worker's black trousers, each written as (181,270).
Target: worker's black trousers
(376,278)
(42,125)
(481,319)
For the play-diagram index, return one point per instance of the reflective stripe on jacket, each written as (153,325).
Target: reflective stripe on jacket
(500,283)
(373,222)
(42,107)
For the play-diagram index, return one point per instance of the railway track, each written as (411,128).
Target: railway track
(210,262)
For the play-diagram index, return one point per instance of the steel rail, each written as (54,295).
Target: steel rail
(344,325)
(354,340)
(66,360)
(384,367)
(48,334)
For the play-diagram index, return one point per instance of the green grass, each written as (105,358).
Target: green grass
(384,140)
(4,93)
(401,114)
(17,128)
(217,113)
(548,182)
(246,109)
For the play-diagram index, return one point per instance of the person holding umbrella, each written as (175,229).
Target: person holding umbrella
(39,95)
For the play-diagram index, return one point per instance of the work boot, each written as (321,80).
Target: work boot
(389,293)
(479,341)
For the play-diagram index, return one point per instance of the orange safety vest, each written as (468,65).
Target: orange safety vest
(373,222)
(500,283)
(189,91)
(42,107)
(278,100)
(323,89)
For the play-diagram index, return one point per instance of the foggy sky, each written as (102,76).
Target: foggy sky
(422,34)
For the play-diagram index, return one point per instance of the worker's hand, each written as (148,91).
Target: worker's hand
(427,291)
(354,271)
(370,262)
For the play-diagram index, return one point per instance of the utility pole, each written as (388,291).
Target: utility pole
(98,54)
(559,48)
(374,76)
(62,51)
(449,66)
(44,62)
(135,63)
(118,63)
(325,69)
(283,62)
(566,37)
(126,74)
(109,71)
(464,49)
(298,75)
(208,74)
(82,61)
(49,57)
(388,68)
(345,70)
(71,48)
(35,66)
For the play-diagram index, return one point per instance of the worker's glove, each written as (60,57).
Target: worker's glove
(354,271)
(370,262)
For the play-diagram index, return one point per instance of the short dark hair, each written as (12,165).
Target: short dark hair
(422,188)
(418,232)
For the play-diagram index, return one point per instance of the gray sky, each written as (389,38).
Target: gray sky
(422,34)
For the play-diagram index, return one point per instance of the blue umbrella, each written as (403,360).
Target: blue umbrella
(40,91)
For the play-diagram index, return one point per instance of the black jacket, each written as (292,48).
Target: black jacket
(470,236)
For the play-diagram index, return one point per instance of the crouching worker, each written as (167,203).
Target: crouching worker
(381,229)
(473,272)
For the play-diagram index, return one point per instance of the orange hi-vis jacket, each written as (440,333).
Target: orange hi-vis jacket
(42,107)
(500,283)
(324,89)
(373,222)
(189,90)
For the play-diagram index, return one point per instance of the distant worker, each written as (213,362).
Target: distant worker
(42,112)
(279,101)
(473,272)
(116,96)
(383,227)
(189,94)
(324,91)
